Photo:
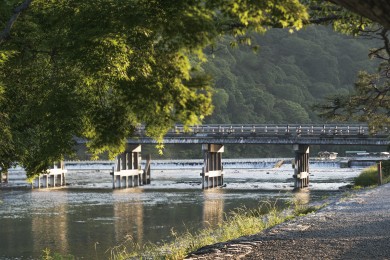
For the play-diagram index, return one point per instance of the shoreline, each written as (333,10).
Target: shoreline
(336,231)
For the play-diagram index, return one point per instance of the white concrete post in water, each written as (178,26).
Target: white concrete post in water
(127,171)
(53,177)
(212,171)
(301,170)
(4,177)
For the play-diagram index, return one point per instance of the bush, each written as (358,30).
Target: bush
(386,171)
(369,176)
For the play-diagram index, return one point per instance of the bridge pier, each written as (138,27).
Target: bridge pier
(4,177)
(301,168)
(127,171)
(212,171)
(52,178)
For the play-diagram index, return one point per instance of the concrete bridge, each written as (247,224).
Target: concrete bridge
(214,137)
(330,134)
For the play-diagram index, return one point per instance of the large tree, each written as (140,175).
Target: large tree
(99,68)
(370,100)
(375,10)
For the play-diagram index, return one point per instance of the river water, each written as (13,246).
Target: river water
(87,218)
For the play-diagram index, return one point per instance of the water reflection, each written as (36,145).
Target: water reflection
(302,197)
(213,207)
(49,227)
(88,221)
(129,216)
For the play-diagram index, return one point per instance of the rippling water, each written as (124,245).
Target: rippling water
(88,218)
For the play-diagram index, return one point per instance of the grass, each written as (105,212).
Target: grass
(369,176)
(48,255)
(241,222)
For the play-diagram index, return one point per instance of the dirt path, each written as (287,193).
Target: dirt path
(355,227)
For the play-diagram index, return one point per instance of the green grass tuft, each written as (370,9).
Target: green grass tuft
(368,177)
(48,255)
(241,222)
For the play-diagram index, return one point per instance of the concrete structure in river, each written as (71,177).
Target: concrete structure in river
(4,176)
(212,170)
(214,137)
(127,171)
(54,177)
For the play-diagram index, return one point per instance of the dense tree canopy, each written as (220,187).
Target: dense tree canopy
(97,69)
(288,75)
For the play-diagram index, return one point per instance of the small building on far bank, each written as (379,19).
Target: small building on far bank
(384,154)
(325,155)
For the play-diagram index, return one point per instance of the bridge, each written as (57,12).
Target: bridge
(214,137)
(329,134)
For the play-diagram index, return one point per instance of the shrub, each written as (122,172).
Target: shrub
(367,177)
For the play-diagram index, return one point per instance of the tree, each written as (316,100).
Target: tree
(370,100)
(375,10)
(98,69)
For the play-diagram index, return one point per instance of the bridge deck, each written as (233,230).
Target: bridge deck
(271,134)
(268,134)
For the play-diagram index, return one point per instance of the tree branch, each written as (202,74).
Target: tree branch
(4,34)
(326,19)
(375,10)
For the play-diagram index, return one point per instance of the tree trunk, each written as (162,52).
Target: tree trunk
(375,10)
(4,34)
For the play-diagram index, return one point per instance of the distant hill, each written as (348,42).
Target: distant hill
(289,74)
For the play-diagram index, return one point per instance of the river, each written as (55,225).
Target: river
(87,218)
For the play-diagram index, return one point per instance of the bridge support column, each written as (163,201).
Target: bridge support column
(127,171)
(4,177)
(301,169)
(212,171)
(53,177)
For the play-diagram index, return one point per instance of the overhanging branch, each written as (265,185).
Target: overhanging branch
(5,33)
(375,10)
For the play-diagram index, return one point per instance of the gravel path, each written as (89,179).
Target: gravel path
(353,227)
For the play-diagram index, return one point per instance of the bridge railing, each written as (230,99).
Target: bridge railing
(275,129)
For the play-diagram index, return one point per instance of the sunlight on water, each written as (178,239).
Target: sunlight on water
(87,217)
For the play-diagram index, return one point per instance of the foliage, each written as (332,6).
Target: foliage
(288,75)
(369,176)
(279,84)
(48,255)
(369,102)
(386,168)
(98,69)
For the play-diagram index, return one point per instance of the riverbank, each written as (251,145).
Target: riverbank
(354,226)
(89,218)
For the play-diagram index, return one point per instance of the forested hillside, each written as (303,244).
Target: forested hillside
(279,84)
(289,74)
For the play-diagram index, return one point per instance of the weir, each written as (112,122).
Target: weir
(54,177)
(127,171)
(212,170)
